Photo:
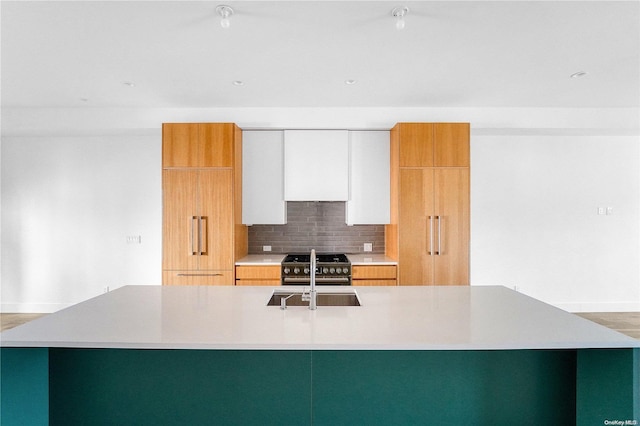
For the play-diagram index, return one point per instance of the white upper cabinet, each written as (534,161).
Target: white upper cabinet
(369,178)
(263,178)
(316,165)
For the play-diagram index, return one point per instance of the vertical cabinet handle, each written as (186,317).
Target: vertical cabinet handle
(430,243)
(199,242)
(199,235)
(204,237)
(193,250)
(439,251)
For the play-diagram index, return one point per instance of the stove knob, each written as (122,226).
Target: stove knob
(332,270)
(345,270)
(306,271)
(286,271)
(339,270)
(296,270)
(325,270)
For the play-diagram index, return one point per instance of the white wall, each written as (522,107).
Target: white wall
(538,176)
(68,205)
(535,222)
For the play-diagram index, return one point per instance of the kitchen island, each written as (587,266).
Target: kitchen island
(407,355)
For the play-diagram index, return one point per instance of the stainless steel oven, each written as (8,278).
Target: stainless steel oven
(331,269)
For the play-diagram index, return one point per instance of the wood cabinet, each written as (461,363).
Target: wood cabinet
(432,144)
(430,223)
(199,144)
(202,208)
(368,178)
(258,275)
(373,275)
(197,278)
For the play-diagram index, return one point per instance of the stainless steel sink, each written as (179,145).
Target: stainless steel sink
(294,298)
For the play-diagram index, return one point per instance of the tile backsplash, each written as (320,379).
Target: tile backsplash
(315,224)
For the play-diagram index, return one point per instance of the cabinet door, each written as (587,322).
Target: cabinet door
(415,229)
(198,144)
(451,144)
(415,144)
(258,275)
(379,272)
(197,278)
(179,220)
(215,207)
(216,142)
(180,147)
(452,209)
(316,165)
(369,184)
(263,178)
(433,144)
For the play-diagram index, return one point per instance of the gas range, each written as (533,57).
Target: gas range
(331,269)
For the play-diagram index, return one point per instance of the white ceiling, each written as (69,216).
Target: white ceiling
(299,53)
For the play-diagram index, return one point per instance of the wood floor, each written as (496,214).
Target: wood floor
(625,322)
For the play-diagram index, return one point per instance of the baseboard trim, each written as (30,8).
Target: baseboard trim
(599,307)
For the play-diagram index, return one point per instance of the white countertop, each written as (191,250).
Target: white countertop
(371,259)
(390,318)
(261,259)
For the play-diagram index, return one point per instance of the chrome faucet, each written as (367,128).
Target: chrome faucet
(313,299)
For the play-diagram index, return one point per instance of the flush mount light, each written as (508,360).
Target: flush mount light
(225,13)
(349,82)
(238,83)
(578,74)
(129,83)
(398,13)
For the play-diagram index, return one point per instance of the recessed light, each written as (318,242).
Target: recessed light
(238,83)
(349,82)
(578,74)
(84,99)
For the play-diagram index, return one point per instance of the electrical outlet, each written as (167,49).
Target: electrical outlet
(134,239)
(266,248)
(368,247)
(106,289)
(600,210)
(609,211)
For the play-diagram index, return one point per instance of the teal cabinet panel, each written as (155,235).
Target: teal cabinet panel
(608,383)
(444,387)
(229,387)
(24,386)
(180,387)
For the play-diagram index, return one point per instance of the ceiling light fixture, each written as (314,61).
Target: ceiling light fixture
(398,13)
(129,83)
(349,82)
(578,74)
(238,83)
(225,13)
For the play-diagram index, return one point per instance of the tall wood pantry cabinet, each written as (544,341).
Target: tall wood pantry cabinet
(202,231)
(430,209)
